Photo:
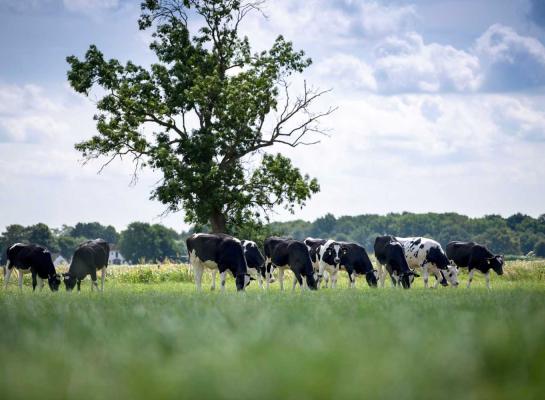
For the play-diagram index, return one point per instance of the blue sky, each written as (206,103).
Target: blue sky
(441,107)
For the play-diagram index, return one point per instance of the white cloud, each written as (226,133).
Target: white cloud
(28,115)
(510,61)
(502,44)
(347,71)
(378,19)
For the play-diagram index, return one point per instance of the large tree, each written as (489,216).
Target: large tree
(204,113)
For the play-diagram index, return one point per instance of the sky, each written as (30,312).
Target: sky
(440,108)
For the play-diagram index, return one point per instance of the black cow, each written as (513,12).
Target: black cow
(254,261)
(288,253)
(390,255)
(355,261)
(474,256)
(89,257)
(218,252)
(34,259)
(268,247)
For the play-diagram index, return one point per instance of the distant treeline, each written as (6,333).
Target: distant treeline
(517,235)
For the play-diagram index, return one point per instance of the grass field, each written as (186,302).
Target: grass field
(151,336)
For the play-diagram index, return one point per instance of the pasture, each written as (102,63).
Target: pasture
(151,336)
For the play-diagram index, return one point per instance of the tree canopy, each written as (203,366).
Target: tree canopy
(204,113)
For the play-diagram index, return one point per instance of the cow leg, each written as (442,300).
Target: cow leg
(40,283)
(34,281)
(352,278)
(6,277)
(294,282)
(487,277)
(326,279)
(94,284)
(260,279)
(78,284)
(281,278)
(334,279)
(213,286)
(425,275)
(20,279)
(438,277)
(223,277)
(381,275)
(470,278)
(102,278)
(198,270)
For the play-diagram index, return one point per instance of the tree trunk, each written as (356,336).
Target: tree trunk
(218,223)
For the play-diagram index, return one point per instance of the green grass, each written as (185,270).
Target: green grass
(160,339)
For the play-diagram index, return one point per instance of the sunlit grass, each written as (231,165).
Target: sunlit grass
(150,335)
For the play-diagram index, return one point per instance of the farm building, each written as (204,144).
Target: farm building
(116,257)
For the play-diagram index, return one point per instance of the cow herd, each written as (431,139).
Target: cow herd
(313,262)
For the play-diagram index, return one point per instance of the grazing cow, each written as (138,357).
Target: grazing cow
(34,259)
(288,253)
(89,257)
(391,256)
(314,246)
(355,261)
(428,254)
(475,257)
(218,252)
(254,261)
(329,256)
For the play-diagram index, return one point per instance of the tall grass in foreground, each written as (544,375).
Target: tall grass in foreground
(156,338)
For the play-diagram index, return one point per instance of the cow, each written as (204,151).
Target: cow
(34,259)
(355,261)
(428,255)
(314,246)
(391,256)
(474,256)
(218,252)
(329,258)
(288,253)
(254,260)
(89,257)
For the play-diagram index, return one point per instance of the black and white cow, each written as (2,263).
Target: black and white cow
(284,253)
(89,257)
(330,261)
(474,256)
(218,252)
(355,261)
(34,259)
(421,252)
(391,256)
(314,245)
(254,261)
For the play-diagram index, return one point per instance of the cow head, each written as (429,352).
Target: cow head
(69,281)
(242,281)
(332,254)
(312,283)
(372,278)
(451,275)
(407,278)
(496,263)
(54,281)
